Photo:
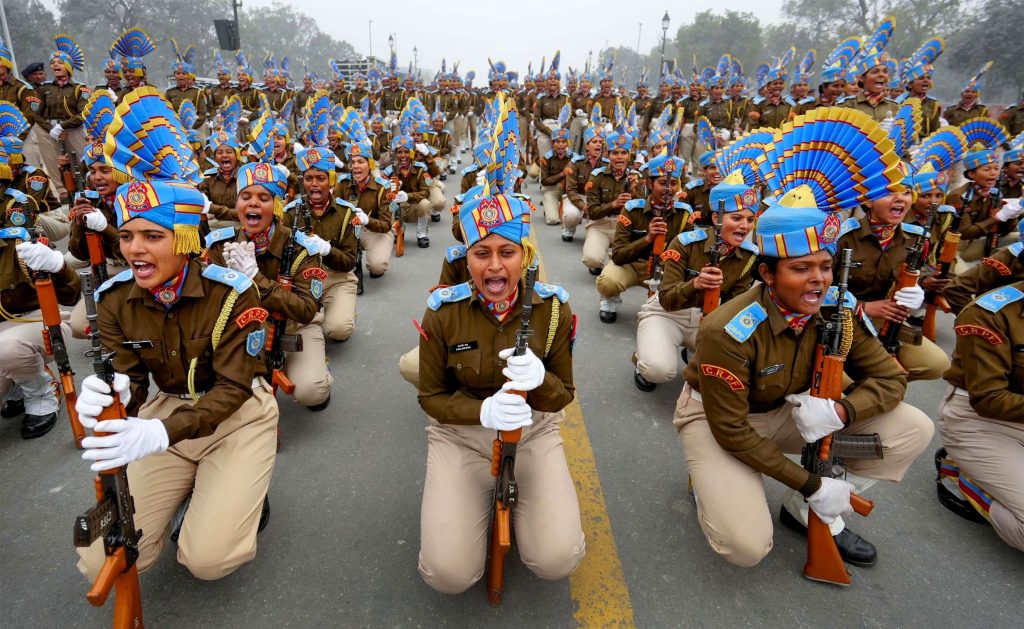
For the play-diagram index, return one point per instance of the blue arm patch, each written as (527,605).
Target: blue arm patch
(217,235)
(849,225)
(18,195)
(994,300)
(946,209)
(455,253)
(757,100)
(911,228)
(1016,248)
(749,246)
(693,183)
(234,279)
(306,242)
(448,295)
(597,171)
(635,204)
(121,277)
(382,181)
(577,158)
(551,290)
(10,233)
(745,322)
(388,171)
(832,298)
(692,236)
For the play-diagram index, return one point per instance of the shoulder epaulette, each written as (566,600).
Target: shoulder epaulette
(704,102)
(29,169)
(420,165)
(549,154)
(832,298)
(634,204)
(606,160)
(551,290)
(210,171)
(344,203)
(344,176)
(995,300)
(597,171)
(382,181)
(693,183)
(294,202)
(946,209)
(448,295)
(9,233)
(806,100)
(234,279)
(843,99)
(788,99)
(120,278)
(455,253)
(388,170)
(217,235)
(913,228)
(757,100)
(692,236)
(679,205)
(902,97)
(848,226)
(746,245)
(306,242)
(1016,248)
(745,322)
(577,158)
(18,195)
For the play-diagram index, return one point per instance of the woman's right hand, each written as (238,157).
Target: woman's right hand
(710,277)
(887,310)
(95,396)
(505,411)
(831,500)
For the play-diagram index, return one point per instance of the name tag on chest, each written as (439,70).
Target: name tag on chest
(462,347)
(137,344)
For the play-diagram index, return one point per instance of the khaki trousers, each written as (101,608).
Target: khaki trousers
(227,473)
(30,150)
(458,499)
(552,201)
(991,452)
(659,335)
(572,216)
(409,366)
(377,250)
(339,303)
(23,362)
(688,146)
(926,361)
(731,505)
(615,279)
(308,369)
(49,149)
(413,211)
(436,196)
(599,238)
(576,127)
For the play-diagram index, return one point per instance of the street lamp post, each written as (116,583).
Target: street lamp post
(664,36)
(371,47)
(639,30)
(391,42)
(415,59)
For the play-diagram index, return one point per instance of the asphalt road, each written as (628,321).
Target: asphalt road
(343,538)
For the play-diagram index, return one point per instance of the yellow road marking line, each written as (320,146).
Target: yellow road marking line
(598,586)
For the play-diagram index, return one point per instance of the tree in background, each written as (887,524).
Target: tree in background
(30,43)
(710,35)
(993,35)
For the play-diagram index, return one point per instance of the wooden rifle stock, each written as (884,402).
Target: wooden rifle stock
(67,172)
(945,260)
(713,296)
(398,225)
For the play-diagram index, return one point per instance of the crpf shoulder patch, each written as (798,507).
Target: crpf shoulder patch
(671,254)
(252,314)
(746,321)
(455,253)
(978,330)
(624,220)
(314,272)
(1000,268)
(217,235)
(120,278)
(692,236)
(723,374)
(634,204)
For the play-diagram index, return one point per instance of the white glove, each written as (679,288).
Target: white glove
(421,148)
(243,120)
(505,411)
(831,500)
(39,257)
(297,146)
(724,134)
(388,121)
(608,128)
(525,373)
(1011,209)
(207,203)
(815,417)
(361,215)
(943,122)
(95,396)
(911,297)
(281,168)
(132,439)
(95,221)
(338,163)
(580,113)
(886,124)
(481,179)
(55,131)
(242,258)
(401,197)
(322,246)
(640,160)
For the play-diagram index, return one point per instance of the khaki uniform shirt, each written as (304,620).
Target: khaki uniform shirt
(736,378)
(991,332)
(720,114)
(956,115)
(772,115)
(885,108)
(79,247)
(629,244)
(34,182)
(575,186)
(392,100)
(1013,119)
(414,182)
(222,194)
(1005,266)
(371,199)
(976,218)
(299,304)
(216,96)
(24,97)
(603,188)
(178,96)
(151,340)
(552,169)
(18,293)
(878,269)
(681,263)
(459,364)
(333,224)
(63,103)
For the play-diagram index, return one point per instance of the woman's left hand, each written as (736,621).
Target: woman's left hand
(525,372)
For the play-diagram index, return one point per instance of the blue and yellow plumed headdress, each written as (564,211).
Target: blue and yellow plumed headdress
(920,63)
(830,160)
(743,155)
(12,125)
(133,45)
(6,60)
(975,83)
(498,211)
(184,61)
(938,153)
(218,62)
(243,65)
(734,194)
(984,136)
(97,114)
(353,129)
(839,59)
(6,174)
(148,149)
(906,125)
(66,50)
(318,125)
(802,74)
(873,52)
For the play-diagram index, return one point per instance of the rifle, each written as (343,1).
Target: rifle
(278,341)
(113,516)
(68,171)
(654,267)
(712,296)
(892,335)
(995,198)
(827,455)
(94,240)
(503,464)
(398,225)
(55,345)
(945,259)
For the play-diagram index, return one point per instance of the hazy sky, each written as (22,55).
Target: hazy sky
(516,32)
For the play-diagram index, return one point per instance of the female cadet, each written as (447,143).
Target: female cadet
(879,242)
(982,415)
(210,430)
(745,403)
(256,251)
(465,358)
(220,184)
(982,211)
(575,186)
(670,318)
